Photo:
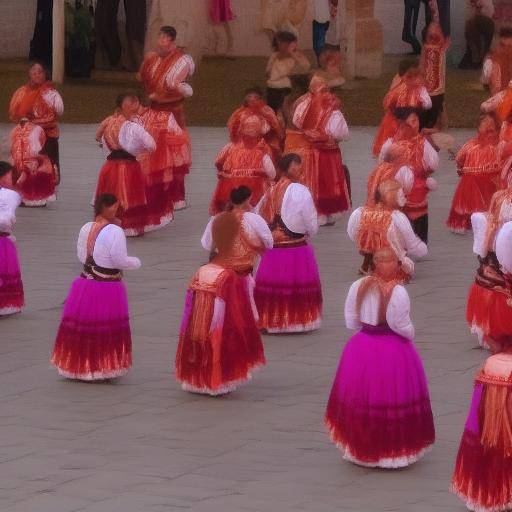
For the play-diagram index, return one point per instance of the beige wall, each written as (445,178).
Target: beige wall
(17,18)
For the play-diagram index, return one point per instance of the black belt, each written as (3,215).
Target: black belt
(121,154)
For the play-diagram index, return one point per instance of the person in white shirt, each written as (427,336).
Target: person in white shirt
(288,291)
(122,174)
(11,286)
(94,339)
(324,12)
(379,412)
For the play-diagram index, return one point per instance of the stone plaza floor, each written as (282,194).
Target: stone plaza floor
(140,444)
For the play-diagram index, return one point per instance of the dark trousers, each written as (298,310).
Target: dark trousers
(443,7)
(319,33)
(430,117)
(276,97)
(41,43)
(51,150)
(411,13)
(420,227)
(479,34)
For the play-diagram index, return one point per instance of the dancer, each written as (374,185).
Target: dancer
(35,175)
(497,69)
(41,103)
(407,92)
(11,287)
(220,345)
(94,340)
(421,156)
(272,130)
(379,412)
(483,471)
(122,175)
(488,313)
(164,74)
(478,168)
(321,126)
(288,291)
(380,225)
(246,162)
(172,158)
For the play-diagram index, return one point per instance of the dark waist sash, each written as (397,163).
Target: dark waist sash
(93,271)
(489,274)
(121,154)
(381,329)
(4,234)
(294,239)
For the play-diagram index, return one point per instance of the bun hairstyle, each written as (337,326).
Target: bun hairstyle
(104,201)
(283,36)
(286,160)
(239,195)
(5,168)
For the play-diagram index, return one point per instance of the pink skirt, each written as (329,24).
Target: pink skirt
(220,11)
(94,339)
(11,286)
(288,291)
(379,412)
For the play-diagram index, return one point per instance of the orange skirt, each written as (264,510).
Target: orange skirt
(259,185)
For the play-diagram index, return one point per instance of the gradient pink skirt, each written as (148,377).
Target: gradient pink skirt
(220,11)
(94,339)
(11,286)
(288,292)
(379,412)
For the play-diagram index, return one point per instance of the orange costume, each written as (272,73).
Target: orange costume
(497,69)
(34,173)
(321,126)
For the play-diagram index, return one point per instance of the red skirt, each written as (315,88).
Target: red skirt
(387,129)
(473,194)
(124,179)
(258,185)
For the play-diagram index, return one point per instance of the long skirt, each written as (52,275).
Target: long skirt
(489,316)
(379,412)
(258,185)
(288,291)
(11,287)
(124,179)
(220,11)
(473,194)
(94,339)
(483,474)
(220,346)
(36,189)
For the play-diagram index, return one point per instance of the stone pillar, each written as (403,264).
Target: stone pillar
(58,41)
(361,39)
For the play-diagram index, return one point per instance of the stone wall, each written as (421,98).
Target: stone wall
(18,20)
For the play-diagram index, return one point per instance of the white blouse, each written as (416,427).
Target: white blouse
(134,139)
(430,155)
(336,126)
(54,100)
(492,104)
(479,225)
(254,227)
(183,67)
(9,201)
(110,249)
(397,314)
(35,140)
(504,247)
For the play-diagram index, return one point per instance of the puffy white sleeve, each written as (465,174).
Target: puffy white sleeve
(54,100)
(352,320)
(353,224)
(185,90)
(486,72)
(425,99)
(268,167)
(207,238)
(398,313)
(405,177)
(492,104)
(258,230)
(337,127)
(430,157)
(479,225)
(412,244)
(384,150)
(298,114)
(173,127)
(504,247)
(81,245)
(182,69)
(146,139)
(309,213)
(119,252)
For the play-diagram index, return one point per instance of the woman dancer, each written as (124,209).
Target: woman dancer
(379,412)
(11,286)
(94,339)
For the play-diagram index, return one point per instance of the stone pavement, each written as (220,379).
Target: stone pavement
(141,444)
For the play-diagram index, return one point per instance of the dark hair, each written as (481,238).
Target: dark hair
(407,64)
(169,31)
(104,201)
(254,90)
(286,160)
(506,32)
(36,62)
(5,168)
(121,97)
(283,37)
(240,194)
(402,113)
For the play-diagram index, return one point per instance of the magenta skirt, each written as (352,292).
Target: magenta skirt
(11,286)
(220,11)
(379,412)
(94,339)
(288,292)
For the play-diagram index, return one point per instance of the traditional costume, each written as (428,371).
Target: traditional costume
(483,471)
(122,175)
(11,286)
(497,69)
(172,158)
(34,174)
(42,105)
(246,162)
(220,345)
(379,412)
(478,164)
(321,126)
(94,339)
(288,291)
(391,170)
(488,313)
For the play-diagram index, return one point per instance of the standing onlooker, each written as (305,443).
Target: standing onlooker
(479,33)
(324,11)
